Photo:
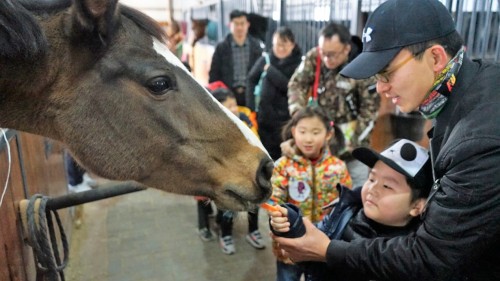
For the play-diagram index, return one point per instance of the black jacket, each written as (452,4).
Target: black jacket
(221,68)
(273,107)
(460,235)
(348,222)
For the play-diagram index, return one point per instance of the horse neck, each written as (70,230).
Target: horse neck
(27,87)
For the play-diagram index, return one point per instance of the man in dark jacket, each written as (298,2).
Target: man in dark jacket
(417,56)
(234,56)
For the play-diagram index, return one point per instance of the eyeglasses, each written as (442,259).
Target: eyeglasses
(385,75)
(332,55)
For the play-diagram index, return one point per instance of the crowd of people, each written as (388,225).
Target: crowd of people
(406,213)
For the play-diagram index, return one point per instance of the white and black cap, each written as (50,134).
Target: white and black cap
(404,156)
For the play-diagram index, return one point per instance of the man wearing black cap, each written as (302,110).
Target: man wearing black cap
(389,203)
(417,56)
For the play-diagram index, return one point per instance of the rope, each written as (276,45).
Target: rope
(8,171)
(40,229)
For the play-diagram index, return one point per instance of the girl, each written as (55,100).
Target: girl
(307,179)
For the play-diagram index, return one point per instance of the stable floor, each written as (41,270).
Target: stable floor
(152,236)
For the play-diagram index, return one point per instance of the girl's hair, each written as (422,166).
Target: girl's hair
(222,94)
(336,144)
(306,112)
(285,33)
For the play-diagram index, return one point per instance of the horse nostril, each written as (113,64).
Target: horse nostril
(264,174)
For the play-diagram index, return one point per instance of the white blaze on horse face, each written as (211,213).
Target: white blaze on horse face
(163,50)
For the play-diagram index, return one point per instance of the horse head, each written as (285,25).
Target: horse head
(103,82)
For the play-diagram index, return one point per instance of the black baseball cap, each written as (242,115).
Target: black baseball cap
(404,156)
(394,25)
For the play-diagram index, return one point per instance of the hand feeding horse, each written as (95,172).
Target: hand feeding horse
(98,76)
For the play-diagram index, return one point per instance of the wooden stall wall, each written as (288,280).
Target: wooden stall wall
(36,167)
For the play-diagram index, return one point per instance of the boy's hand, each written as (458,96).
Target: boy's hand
(279,220)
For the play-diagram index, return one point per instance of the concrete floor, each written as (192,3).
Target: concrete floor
(152,236)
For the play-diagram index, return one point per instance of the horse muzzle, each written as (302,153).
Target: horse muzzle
(263,178)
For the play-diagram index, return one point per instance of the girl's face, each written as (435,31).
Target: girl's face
(282,48)
(386,197)
(311,136)
(231,104)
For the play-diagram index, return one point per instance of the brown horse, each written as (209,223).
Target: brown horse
(98,76)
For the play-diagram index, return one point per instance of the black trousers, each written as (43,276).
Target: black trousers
(74,172)
(204,209)
(225,219)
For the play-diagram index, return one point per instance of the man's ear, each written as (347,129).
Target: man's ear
(439,58)
(418,207)
(348,48)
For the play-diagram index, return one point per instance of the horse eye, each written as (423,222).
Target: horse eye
(159,85)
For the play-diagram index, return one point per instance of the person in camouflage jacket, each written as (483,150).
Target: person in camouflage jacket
(352,104)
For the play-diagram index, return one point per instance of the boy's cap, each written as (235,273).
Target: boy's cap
(396,24)
(404,156)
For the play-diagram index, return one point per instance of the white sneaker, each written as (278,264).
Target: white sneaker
(89,181)
(255,239)
(227,245)
(205,234)
(78,188)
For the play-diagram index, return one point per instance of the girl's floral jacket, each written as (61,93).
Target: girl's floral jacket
(309,185)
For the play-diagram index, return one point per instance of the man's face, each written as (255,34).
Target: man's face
(333,52)
(239,27)
(409,80)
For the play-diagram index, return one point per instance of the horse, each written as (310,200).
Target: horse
(98,76)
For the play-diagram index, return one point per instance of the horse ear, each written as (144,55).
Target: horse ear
(94,20)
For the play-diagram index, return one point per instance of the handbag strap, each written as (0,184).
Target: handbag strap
(316,76)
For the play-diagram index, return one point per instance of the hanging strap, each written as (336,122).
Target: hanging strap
(316,76)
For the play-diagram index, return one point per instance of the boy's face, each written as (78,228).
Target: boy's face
(310,136)
(386,197)
(231,104)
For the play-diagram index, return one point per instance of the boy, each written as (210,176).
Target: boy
(388,204)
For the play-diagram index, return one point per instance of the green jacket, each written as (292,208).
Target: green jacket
(333,89)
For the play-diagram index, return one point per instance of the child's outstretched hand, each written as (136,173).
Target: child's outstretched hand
(279,220)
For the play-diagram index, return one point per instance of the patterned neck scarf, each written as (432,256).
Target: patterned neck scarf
(438,95)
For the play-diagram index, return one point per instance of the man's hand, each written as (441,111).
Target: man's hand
(288,148)
(310,247)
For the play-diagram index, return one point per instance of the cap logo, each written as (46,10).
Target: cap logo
(366,37)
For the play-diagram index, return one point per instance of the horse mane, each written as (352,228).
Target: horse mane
(20,33)
(144,22)
(22,36)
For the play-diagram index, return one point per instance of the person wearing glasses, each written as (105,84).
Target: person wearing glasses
(352,104)
(418,58)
